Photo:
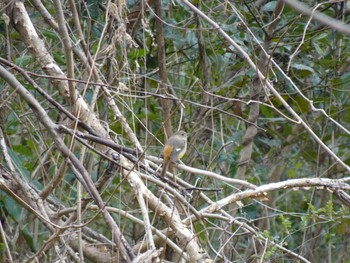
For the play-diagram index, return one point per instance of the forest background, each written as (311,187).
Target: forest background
(90,91)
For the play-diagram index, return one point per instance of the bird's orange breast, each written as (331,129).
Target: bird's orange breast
(167,152)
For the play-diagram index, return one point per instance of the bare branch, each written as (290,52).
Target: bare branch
(320,17)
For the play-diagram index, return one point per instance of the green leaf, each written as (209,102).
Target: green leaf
(93,8)
(343,227)
(269,7)
(24,60)
(303,68)
(11,206)
(19,162)
(50,35)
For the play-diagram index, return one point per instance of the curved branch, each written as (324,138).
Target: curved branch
(261,191)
